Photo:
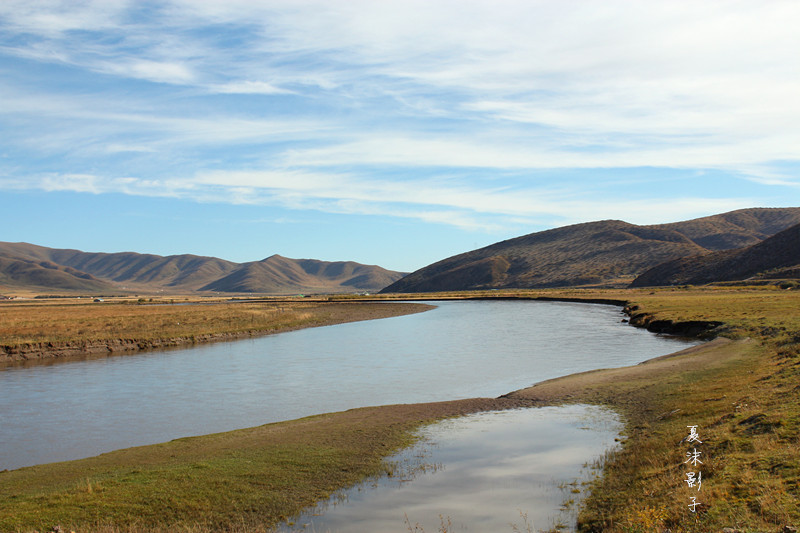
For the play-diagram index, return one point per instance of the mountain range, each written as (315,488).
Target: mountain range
(31,267)
(609,253)
(777,257)
(760,242)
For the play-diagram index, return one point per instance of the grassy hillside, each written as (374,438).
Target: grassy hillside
(187,272)
(778,255)
(606,253)
(736,229)
(29,274)
(282,275)
(31,267)
(116,271)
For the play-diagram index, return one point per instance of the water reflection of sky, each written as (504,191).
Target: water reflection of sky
(461,349)
(481,473)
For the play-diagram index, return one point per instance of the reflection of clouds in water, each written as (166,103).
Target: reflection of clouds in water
(454,351)
(550,462)
(495,465)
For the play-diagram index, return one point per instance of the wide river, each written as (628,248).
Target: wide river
(461,349)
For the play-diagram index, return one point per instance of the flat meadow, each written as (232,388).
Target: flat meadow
(38,329)
(740,392)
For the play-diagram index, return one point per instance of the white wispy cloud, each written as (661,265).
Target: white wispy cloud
(90,124)
(314,104)
(249,87)
(53,18)
(156,71)
(472,209)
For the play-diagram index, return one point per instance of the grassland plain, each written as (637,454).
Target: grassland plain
(47,330)
(740,391)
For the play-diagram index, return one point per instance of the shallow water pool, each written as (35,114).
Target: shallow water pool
(488,472)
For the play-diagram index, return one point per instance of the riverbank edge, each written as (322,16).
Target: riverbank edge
(631,499)
(53,352)
(699,329)
(50,352)
(625,497)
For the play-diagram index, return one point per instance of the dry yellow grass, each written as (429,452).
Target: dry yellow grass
(89,322)
(40,329)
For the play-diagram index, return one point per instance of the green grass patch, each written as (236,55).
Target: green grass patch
(245,480)
(250,478)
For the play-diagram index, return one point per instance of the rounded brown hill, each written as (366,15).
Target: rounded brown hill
(776,257)
(37,268)
(609,253)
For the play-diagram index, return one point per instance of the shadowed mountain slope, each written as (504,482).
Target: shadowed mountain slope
(736,229)
(775,257)
(44,275)
(283,275)
(25,265)
(185,272)
(606,253)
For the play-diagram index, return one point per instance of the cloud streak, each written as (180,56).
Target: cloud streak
(467,207)
(333,105)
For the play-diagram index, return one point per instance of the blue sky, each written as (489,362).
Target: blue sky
(386,132)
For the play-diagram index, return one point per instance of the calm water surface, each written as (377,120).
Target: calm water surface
(462,349)
(482,472)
